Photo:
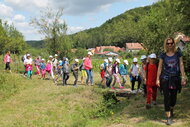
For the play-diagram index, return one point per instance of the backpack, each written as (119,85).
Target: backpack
(66,68)
(22,58)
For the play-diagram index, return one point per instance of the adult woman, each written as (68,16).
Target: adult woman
(168,76)
(88,68)
(7,61)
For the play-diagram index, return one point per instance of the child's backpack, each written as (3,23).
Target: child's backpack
(66,68)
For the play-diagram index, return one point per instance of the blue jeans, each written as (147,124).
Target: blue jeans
(89,76)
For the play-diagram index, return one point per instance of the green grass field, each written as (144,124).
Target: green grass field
(41,103)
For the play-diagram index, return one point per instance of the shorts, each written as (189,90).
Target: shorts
(84,73)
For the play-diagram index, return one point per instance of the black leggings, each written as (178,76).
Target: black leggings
(7,66)
(170,97)
(136,78)
(65,78)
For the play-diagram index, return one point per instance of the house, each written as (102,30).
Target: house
(181,40)
(131,47)
(102,49)
(107,53)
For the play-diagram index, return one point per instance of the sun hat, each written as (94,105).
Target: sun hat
(110,59)
(118,60)
(153,55)
(135,60)
(126,62)
(77,60)
(90,53)
(143,57)
(106,60)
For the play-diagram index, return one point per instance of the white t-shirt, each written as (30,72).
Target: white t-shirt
(55,61)
(28,61)
(135,69)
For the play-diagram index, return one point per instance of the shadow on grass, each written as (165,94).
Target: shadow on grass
(134,107)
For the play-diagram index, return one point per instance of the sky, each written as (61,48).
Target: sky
(78,14)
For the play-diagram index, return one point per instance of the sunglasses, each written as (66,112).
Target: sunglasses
(169,43)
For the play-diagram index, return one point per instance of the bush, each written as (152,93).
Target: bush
(186,54)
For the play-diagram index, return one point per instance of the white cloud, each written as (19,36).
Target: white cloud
(28,5)
(19,17)
(6,11)
(72,29)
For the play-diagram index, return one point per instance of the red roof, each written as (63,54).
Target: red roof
(101,49)
(134,46)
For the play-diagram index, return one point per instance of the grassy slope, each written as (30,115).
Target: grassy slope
(43,104)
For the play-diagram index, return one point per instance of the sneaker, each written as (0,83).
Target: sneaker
(113,88)
(122,87)
(169,121)
(148,106)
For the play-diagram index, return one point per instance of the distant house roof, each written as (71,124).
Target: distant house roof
(134,46)
(101,49)
(108,53)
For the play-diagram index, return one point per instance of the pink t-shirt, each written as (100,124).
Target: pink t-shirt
(87,63)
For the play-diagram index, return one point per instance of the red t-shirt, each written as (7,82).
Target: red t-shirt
(152,74)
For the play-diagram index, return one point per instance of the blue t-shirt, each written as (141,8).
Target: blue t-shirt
(42,66)
(171,64)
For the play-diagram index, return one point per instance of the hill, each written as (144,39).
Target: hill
(36,43)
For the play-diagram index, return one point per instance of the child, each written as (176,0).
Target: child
(7,61)
(43,68)
(75,69)
(123,72)
(115,71)
(142,72)
(37,64)
(66,70)
(108,72)
(83,71)
(103,69)
(49,67)
(150,78)
(28,65)
(135,74)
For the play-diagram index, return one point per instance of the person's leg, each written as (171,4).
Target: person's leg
(67,78)
(139,82)
(64,78)
(154,94)
(91,77)
(114,80)
(173,101)
(88,76)
(148,97)
(118,80)
(145,91)
(76,78)
(133,83)
(124,79)
(167,103)
(52,74)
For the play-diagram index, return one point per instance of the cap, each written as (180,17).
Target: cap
(83,58)
(67,59)
(117,60)
(56,55)
(28,55)
(153,55)
(43,59)
(143,57)
(126,62)
(106,60)
(77,60)
(60,61)
(135,60)
(50,56)
(89,53)
(110,59)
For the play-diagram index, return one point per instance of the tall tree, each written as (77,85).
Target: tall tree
(50,24)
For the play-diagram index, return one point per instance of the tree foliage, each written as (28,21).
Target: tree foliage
(10,39)
(50,24)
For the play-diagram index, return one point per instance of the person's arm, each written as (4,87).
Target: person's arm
(183,81)
(159,72)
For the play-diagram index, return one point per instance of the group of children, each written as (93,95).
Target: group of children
(145,74)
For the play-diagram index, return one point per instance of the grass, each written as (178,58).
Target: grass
(40,103)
